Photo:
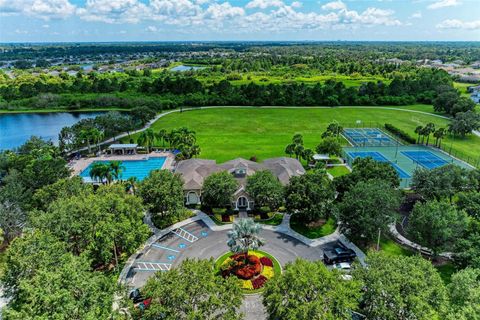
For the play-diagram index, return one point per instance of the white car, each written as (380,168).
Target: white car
(343,266)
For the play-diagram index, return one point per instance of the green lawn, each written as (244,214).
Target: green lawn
(338,171)
(313,233)
(225,134)
(392,248)
(273,221)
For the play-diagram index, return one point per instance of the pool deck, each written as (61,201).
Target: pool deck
(78,166)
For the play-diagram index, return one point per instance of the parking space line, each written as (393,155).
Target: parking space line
(164,248)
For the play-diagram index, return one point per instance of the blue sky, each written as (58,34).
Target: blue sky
(165,20)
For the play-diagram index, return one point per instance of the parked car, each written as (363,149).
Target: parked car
(338,254)
(343,266)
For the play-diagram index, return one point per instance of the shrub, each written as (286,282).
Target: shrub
(399,133)
(219,211)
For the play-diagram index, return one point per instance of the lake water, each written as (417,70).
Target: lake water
(17,128)
(182,68)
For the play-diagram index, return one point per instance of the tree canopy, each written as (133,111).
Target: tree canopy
(367,208)
(308,290)
(310,195)
(218,189)
(192,291)
(398,287)
(265,189)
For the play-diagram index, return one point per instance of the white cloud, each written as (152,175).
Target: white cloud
(45,26)
(416,15)
(459,24)
(44,9)
(223,11)
(296,4)
(335,5)
(151,29)
(443,3)
(20,31)
(263,4)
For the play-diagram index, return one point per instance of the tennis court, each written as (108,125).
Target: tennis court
(377,156)
(405,159)
(367,137)
(425,158)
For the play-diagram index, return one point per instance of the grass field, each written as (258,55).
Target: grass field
(338,171)
(313,233)
(228,133)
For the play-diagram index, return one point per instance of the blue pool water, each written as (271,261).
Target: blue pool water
(133,168)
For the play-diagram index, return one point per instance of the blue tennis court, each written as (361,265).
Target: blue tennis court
(377,156)
(368,137)
(425,158)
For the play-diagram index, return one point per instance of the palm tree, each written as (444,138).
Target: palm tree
(299,148)
(297,139)
(429,128)
(244,236)
(132,184)
(439,134)
(307,155)
(290,149)
(100,171)
(418,131)
(146,138)
(116,168)
(162,136)
(96,135)
(86,135)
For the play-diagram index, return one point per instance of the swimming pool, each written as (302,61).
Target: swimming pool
(132,168)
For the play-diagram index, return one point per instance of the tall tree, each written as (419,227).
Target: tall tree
(45,282)
(162,192)
(398,287)
(330,146)
(436,225)
(265,189)
(218,190)
(367,209)
(308,290)
(192,291)
(146,138)
(310,196)
(464,293)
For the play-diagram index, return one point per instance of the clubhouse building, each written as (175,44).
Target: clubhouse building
(195,171)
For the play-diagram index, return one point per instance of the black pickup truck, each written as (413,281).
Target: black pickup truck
(339,253)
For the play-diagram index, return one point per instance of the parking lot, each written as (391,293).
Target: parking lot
(196,240)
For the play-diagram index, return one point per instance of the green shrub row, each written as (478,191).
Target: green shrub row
(400,133)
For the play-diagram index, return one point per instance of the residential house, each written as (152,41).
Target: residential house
(195,171)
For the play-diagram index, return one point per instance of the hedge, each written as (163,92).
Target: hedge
(400,133)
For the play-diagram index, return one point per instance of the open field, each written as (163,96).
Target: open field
(227,133)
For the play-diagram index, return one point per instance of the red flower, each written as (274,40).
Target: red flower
(266,261)
(259,282)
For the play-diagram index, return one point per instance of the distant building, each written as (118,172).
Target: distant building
(195,171)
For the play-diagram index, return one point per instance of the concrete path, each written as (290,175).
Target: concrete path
(414,246)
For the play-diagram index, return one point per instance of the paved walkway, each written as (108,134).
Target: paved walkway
(414,246)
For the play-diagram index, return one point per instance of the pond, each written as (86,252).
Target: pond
(17,128)
(182,68)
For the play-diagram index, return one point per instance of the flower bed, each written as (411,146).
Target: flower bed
(252,270)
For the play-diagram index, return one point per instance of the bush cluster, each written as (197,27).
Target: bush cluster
(399,133)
